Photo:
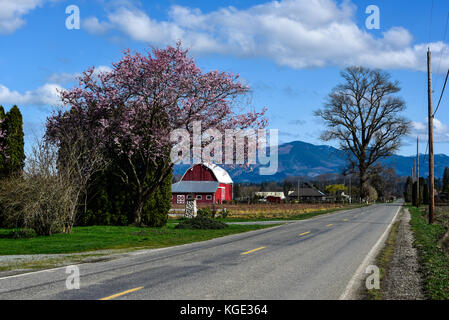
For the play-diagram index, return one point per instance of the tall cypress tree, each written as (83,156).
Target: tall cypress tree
(415,194)
(15,143)
(446,180)
(408,190)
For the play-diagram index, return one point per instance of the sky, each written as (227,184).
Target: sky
(289,52)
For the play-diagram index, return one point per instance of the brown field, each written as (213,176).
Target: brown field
(266,210)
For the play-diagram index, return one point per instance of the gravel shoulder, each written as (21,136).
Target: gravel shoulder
(402,280)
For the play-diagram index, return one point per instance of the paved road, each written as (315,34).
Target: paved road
(309,259)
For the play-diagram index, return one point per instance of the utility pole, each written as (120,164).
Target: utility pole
(417,172)
(414,170)
(431,159)
(298,190)
(350,189)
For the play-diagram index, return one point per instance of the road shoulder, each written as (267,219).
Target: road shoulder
(398,264)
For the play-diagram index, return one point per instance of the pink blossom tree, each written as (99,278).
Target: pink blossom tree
(131,111)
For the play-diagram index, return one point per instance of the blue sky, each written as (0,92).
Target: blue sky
(289,52)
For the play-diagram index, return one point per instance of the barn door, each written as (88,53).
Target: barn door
(223,194)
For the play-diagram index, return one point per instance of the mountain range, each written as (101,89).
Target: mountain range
(299,158)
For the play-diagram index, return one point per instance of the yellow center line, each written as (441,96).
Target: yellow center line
(303,234)
(121,293)
(329,225)
(250,251)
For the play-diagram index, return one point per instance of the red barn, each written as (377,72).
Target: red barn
(206,182)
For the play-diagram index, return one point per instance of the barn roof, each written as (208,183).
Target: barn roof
(220,174)
(194,187)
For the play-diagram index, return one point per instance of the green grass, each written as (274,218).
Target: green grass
(109,237)
(383,260)
(434,260)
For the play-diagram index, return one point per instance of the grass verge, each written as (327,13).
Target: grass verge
(434,260)
(383,260)
(94,238)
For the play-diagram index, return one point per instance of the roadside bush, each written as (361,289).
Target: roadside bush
(22,234)
(201,223)
(224,213)
(45,196)
(34,202)
(204,213)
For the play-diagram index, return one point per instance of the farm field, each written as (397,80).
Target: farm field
(267,211)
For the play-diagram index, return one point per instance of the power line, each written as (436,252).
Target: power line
(444,40)
(441,96)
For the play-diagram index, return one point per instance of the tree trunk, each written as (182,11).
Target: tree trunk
(138,211)
(364,187)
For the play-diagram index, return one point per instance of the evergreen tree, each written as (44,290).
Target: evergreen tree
(446,180)
(408,190)
(415,194)
(14,142)
(237,191)
(425,197)
(2,143)
(110,202)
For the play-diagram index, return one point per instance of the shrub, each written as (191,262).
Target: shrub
(22,233)
(204,212)
(224,213)
(201,223)
(110,202)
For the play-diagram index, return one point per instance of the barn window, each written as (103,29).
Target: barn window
(208,197)
(189,197)
(180,199)
(199,197)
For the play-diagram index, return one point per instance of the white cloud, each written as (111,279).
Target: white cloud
(93,26)
(440,131)
(47,95)
(12,12)
(294,33)
(65,77)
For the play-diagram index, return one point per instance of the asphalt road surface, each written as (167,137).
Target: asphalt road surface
(309,259)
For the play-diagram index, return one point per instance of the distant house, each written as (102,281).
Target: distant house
(307,194)
(273,197)
(205,182)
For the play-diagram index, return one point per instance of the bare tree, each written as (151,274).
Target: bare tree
(48,194)
(363,115)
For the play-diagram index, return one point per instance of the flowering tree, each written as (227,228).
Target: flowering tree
(131,111)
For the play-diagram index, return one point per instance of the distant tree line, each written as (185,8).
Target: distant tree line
(385,183)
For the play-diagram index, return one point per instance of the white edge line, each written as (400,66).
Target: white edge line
(358,275)
(145,251)
(139,252)
(34,272)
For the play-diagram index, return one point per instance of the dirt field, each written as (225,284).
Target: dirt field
(266,210)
